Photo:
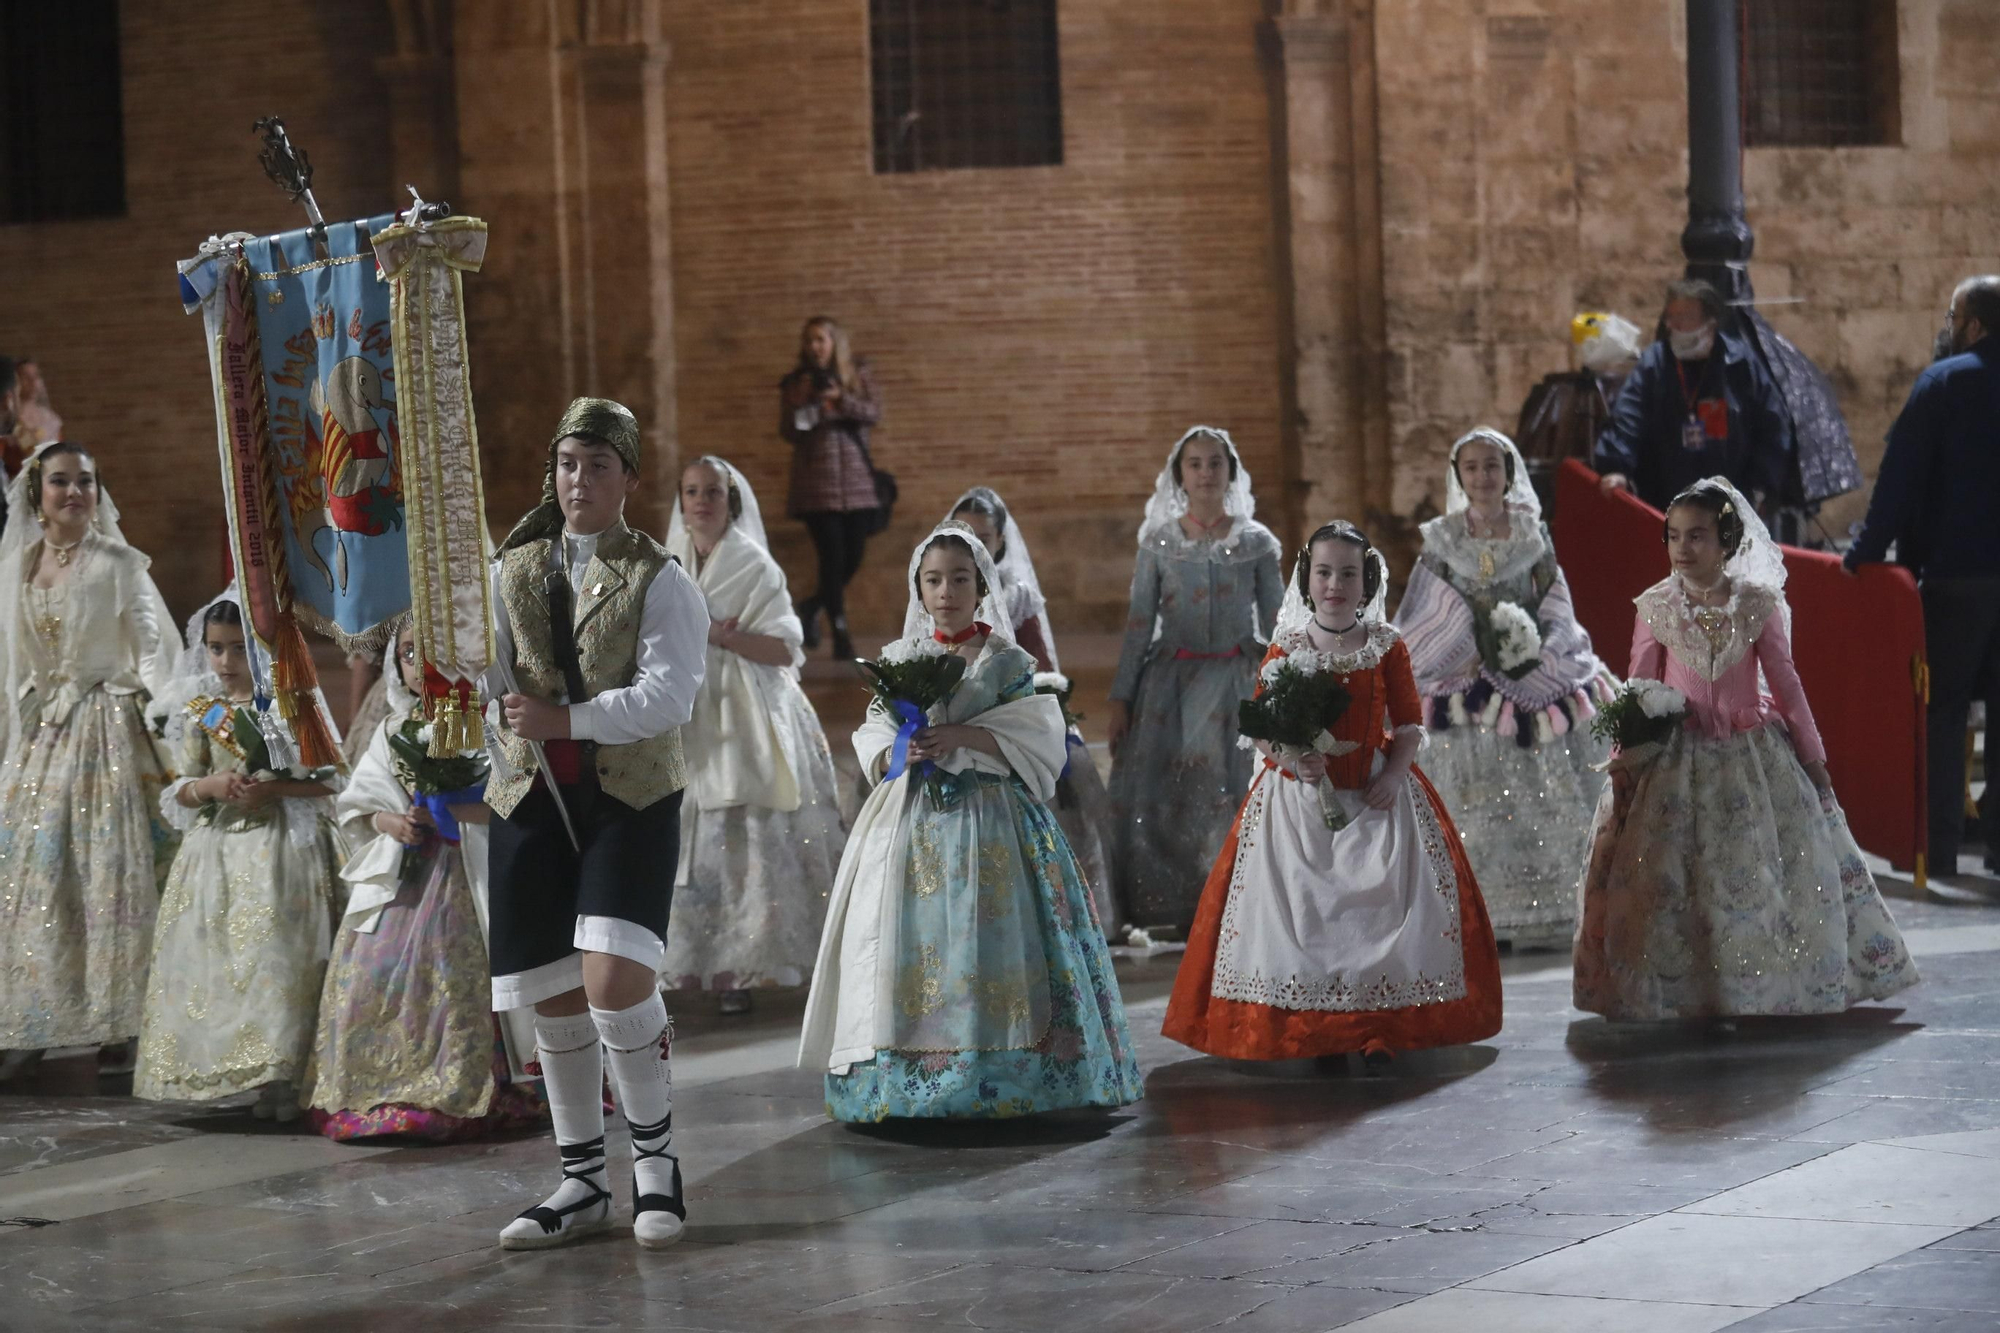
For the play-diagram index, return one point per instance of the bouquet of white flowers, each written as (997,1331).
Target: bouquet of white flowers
(918,672)
(1056,684)
(1509,640)
(907,680)
(1644,712)
(1295,716)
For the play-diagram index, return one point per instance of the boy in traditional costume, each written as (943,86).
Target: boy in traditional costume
(601,641)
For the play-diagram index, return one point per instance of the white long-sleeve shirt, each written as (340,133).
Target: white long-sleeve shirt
(673,655)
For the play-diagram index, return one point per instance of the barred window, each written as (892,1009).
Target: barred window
(62,121)
(1820,73)
(965,83)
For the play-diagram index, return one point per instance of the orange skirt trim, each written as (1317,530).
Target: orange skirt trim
(1240,1031)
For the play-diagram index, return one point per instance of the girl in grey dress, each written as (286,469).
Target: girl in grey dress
(1205,593)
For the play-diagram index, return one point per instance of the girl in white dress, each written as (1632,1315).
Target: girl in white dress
(84,637)
(248,913)
(761,832)
(1371,937)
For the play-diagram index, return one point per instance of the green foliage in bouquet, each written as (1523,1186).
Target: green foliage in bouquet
(1059,686)
(1295,707)
(1643,712)
(433,776)
(922,681)
(256,754)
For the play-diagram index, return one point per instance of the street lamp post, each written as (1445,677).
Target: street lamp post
(1718,239)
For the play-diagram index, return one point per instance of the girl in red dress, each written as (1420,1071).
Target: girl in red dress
(1374,939)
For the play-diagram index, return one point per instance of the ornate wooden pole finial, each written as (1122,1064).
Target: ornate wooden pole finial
(291,171)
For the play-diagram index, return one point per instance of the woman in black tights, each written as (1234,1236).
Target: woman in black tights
(825,407)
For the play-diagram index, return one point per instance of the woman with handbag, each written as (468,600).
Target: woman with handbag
(825,408)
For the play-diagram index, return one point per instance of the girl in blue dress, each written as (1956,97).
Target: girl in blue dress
(962,972)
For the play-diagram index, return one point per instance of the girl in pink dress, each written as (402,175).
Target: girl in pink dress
(1722,879)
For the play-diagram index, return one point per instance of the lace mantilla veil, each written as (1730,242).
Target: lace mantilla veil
(192,679)
(1016,563)
(22,532)
(750,522)
(1169,501)
(1521,497)
(917,622)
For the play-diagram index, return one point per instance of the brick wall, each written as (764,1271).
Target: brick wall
(1045,331)
(95,302)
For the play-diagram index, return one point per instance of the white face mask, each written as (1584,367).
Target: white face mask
(1694,344)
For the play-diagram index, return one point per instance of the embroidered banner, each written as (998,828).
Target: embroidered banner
(450,595)
(330,390)
(299,349)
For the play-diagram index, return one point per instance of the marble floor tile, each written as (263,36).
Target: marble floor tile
(165,1171)
(1932,1278)
(1882,1118)
(1873,1182)
(1960,1080)
(1035,1300)
(1079,1239)
(1522,1209)
(1976,1143)
(1261,1252)
(1498,1312)
(1636,1157)
(1800,1317)
(1974,1238)
(1697,1258)
(1529,1182)
(1290,1195)
(1314,1309)
(1401,1259)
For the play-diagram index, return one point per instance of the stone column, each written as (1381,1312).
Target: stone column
(1333,239)
(562,114)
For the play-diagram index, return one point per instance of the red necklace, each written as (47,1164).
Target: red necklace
(972,631)
(1208,527)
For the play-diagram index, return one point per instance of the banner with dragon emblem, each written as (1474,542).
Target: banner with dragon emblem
(300,350)
(330,389)
(322,360)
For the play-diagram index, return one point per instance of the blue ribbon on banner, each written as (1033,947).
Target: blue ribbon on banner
(440,805)
(899,755)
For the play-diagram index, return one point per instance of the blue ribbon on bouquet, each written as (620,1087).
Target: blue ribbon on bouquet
(440,803)
(899,755)
(1071,744)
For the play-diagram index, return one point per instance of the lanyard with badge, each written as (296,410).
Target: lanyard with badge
(1707,419)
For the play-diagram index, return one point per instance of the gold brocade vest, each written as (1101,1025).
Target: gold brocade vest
(607,614)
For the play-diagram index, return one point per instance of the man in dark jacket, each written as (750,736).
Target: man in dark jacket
(1937,496)
(1697,405)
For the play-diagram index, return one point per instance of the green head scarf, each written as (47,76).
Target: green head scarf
(598,420)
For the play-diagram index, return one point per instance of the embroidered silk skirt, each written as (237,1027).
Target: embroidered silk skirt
(83,851)
(1724,889)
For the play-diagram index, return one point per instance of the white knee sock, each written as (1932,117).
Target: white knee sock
(573,1074)
(635,1047)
